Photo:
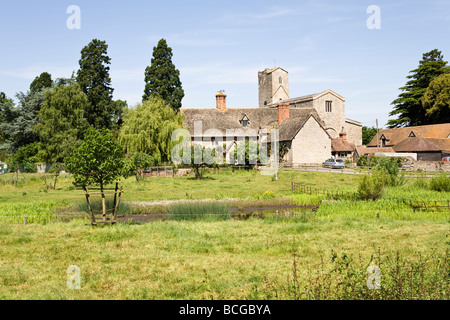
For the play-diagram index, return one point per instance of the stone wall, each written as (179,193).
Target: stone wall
(334,119)
(311,145)
(426,166)
(354,133)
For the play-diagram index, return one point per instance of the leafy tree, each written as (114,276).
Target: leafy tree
(367,134)
(162,78)
(99,160)
(93,78)
(137,162)
(61,123)
(44,80)
(27,154)
(148,129)
(437,100)
(20,120)
(408,106)
(202,157)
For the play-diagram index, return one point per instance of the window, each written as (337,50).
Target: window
(245,121)
(214,142)
(281,80)
(328,106)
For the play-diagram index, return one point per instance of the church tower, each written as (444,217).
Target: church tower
(273,86)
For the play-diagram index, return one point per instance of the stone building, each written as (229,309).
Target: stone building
(307,125)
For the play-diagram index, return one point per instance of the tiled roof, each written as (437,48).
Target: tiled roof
(422,145)
(364,150)
(397,135)
(340,145)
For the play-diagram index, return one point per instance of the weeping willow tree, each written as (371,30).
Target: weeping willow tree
(147,129)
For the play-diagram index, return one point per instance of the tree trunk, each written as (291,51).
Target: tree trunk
(91,214)
(103,202)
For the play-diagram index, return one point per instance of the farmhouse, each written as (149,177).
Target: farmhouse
(309,126)
(429,143)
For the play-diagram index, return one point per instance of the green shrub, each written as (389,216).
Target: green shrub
(391,166)
(209,211)
(440,183)
(372,187)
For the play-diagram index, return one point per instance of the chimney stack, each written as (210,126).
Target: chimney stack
(343,136)
(221,100)
(283,112)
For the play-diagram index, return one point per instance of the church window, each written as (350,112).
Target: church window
(328,106)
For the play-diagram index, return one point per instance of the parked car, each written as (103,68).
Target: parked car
(446,159)
(334,163)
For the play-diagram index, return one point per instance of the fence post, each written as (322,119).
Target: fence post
(24,221)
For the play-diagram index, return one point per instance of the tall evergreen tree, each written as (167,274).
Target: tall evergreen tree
(93,78)
(408,106)
(44,80)
(162,78)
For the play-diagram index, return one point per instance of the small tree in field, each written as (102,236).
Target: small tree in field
(99,160)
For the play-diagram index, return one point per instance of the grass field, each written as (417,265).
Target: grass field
(270,258)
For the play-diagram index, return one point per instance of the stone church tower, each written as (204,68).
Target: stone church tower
(273,86)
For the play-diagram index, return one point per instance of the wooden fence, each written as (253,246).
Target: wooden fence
(419,205)
(326,194)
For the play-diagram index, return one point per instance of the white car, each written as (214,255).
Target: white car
(334,163)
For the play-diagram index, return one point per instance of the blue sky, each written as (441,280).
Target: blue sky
(221,45)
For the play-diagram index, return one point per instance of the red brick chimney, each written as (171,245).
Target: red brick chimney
(221,100)
(283,112)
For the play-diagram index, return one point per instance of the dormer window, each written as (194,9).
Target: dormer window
(383,141)
(245,121)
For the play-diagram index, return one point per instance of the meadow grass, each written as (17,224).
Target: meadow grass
(227,259)
(196,259)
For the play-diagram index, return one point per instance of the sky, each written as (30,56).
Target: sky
(221,45)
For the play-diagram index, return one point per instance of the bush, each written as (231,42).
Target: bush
(372,187)
(391,166)
(440,183)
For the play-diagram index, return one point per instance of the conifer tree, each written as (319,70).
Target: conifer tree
(408,106)
(162,78)
(93,78)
